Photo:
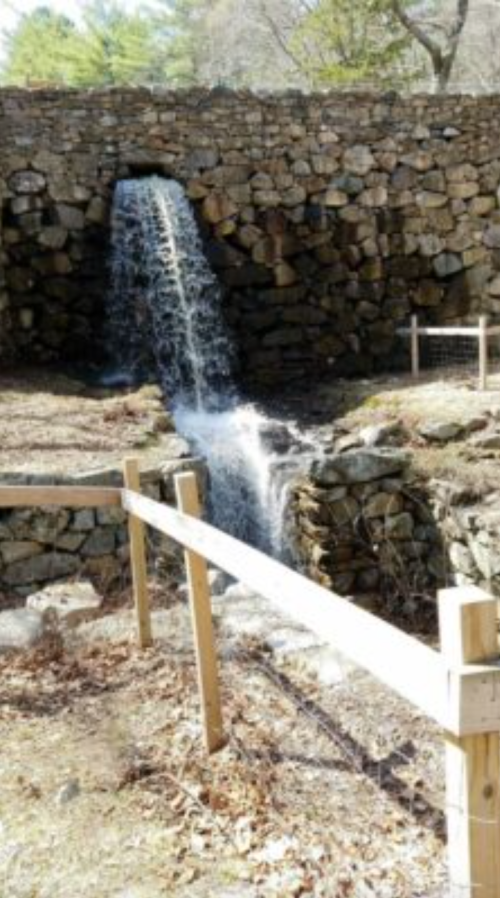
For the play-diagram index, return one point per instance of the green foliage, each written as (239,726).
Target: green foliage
(342,42)
(116,47)
(184,28)
(40,49)
(111,47)
(318,43)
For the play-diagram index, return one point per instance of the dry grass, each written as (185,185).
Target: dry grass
(53,424)
(328,792)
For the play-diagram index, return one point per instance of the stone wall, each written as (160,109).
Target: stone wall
(365,522)
(364,525)
(41,545)
(329,218)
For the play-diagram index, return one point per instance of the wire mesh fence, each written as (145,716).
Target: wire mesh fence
(468,354)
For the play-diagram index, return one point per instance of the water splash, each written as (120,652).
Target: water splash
(166,306)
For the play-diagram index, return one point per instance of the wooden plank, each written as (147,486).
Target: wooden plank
(469,634)
(415,347)
(138,561)
(410,668)
(201,617)
(483,352)
(66,496)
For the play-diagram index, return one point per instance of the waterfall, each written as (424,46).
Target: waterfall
(165,309)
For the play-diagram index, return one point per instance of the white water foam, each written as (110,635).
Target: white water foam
(166,303)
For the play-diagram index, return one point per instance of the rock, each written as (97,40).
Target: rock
(27,182)
(430,244)
(382,434)
(440,431)
(358,160)
(70,217)
(461,558)
(20,629)
(343,512)
(83,520)
(218,581)
(486,557)
(347,184)
(399,527)
(461,173)
(359,466)
(68,792)
(202,157)
(50,566)
(373,197)
(491,236)
(420,161)
(428,293)
(447,264)
(284,275)
(40,525)
(100,542)
(347,442)
(53,237)
(336,198)
(430,200)
(97,210)
(494,286)
(217,207)
(15,550)
(487,441)
(383,504)
(73,603)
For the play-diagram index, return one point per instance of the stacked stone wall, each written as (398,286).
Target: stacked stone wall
(41,545)
(328,218)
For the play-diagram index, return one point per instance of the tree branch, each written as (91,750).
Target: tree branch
(415,30)
(442,60)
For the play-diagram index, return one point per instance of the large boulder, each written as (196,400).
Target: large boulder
(20,629)
(73,603)
(359,466)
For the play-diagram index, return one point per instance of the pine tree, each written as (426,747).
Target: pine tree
(39,49)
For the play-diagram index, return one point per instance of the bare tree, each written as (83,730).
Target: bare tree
(442,50)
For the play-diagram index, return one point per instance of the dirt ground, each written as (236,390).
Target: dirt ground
(50,423)
(322,791)
(347,406)
(105,789)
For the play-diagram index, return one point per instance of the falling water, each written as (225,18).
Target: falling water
(166,305)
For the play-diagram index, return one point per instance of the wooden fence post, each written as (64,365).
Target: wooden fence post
(415,349)
(138,562)
(201,616)
(469,634)
(483,352)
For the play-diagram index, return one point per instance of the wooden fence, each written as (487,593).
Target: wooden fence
(458,687)
(482,333)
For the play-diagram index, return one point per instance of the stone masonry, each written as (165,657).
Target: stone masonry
(328,218)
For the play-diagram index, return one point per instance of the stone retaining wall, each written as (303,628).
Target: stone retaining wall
(469,523)
(42,545)
(328,218)
(364,525)
(363,522)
